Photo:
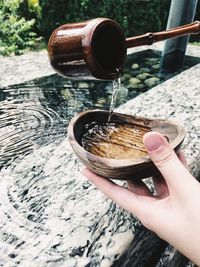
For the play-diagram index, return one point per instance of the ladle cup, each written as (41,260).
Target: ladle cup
(97,48)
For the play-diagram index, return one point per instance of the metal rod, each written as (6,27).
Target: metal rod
(181,12)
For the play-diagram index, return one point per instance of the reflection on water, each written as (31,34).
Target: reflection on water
(44,217)
(37,113)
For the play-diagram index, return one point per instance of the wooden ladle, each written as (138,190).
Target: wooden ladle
(97,48)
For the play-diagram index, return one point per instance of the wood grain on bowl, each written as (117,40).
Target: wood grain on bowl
(115,150)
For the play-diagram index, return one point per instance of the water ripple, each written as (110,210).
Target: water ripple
(27,123)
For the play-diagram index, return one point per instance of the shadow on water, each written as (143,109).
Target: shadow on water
(38,167)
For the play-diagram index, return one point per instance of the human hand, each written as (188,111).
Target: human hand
(172,213)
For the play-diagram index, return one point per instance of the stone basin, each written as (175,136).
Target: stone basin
(48,213)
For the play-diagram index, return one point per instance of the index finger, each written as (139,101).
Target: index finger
(128,200)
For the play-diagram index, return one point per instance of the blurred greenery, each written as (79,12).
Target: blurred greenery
(15,31)
(27,24)
(134,16)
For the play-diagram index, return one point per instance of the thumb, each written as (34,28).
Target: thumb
(165,159)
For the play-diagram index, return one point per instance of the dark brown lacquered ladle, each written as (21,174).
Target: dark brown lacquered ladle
(97,48)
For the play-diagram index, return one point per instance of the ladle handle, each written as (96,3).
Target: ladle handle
(150,38)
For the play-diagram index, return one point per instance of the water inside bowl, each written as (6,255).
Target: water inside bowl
(114,140)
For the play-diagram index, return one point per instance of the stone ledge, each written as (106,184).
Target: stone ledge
(12,69)
(38,64)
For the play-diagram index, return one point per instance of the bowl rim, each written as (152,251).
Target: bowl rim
(118,163)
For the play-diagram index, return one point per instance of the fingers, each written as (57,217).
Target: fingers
(122,196)
(139,188)
(165,159)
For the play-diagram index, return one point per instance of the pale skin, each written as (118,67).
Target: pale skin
(173,213)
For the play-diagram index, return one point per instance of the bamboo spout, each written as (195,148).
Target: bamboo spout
(150,38)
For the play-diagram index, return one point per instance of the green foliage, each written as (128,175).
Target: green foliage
(134,16)
(23,20)
(16,33)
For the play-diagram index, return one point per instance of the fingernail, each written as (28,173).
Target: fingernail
(152,141)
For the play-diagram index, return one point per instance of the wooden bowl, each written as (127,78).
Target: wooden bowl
(123,167)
